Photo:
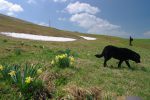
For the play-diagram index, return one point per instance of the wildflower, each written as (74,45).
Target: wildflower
(64,55)
(52,62)
(28,80)
(20,95)
(12,73)
(1,67)
(32,64)
(39,71)
(71,58)
(57,58)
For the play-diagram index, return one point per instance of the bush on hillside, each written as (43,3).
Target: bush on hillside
(25,78)
(63,61)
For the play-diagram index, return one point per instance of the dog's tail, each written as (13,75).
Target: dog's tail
(102,54)
(99,55)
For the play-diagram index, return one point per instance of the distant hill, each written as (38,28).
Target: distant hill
(11,24)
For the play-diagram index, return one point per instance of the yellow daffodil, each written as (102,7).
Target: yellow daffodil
(1,67)
(12,73)
(52,62)
(62,56)
(71,63)
(71,58)
(20,95)
(28,80)
(39,71)
(57,58)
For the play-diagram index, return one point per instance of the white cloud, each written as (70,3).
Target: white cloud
(61,19)
(9,8)
(59,0)
(78,7)
(92,23)
(42,24)
(84,15)
(31,2)
(147,33)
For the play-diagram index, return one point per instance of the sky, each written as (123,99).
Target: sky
(122,18)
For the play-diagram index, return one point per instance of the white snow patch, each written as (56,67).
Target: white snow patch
(88,38)
(37,37)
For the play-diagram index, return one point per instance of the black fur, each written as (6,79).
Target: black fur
(122,54)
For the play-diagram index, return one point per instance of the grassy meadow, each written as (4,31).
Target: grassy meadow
(87,72)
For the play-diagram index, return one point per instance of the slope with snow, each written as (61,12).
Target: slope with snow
(37,37)
(88,38)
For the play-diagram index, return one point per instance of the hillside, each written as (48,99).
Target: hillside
(87,71)
(11,24)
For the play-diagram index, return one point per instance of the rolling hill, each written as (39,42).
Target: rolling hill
(11,24)
(88,71)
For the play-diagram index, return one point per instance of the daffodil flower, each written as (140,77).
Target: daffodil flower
(52,62)
(71,59)
(28,80)
(1,67)
(39,71)
(62,56)
(12,73)
(57,58)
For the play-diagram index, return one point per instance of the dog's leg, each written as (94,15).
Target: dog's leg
(105,61)
(127,62)
(120,62)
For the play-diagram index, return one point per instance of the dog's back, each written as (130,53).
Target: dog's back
(117,53)
(109,51)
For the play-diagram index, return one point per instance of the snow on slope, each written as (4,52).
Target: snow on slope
(42,38)
(37,37)
(88,38)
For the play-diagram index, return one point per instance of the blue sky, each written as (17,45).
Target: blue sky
(109,17)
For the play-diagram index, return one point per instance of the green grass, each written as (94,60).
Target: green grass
(88,71)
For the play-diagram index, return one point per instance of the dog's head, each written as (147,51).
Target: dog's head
(136,58)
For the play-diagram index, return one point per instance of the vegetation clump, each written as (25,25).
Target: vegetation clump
(78,93)
(25,79)
(63,60)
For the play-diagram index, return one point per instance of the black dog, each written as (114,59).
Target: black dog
(122,54)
